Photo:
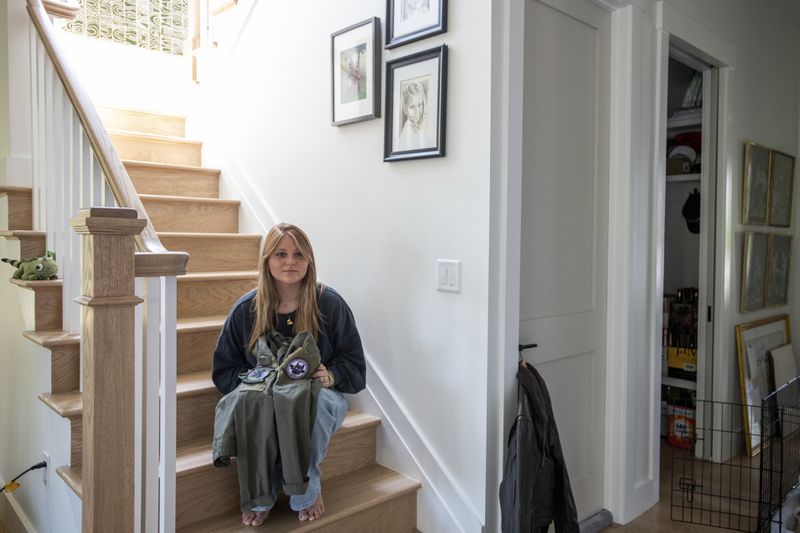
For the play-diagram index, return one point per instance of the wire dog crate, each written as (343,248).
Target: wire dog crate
(739,463)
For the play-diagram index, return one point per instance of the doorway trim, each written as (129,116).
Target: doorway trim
(681,31)
(639,55)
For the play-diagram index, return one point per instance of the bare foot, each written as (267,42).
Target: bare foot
(314,512)
(260,518)
(251,518)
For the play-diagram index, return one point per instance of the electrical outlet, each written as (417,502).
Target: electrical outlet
(46,469)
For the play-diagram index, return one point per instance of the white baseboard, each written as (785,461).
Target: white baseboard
(437,479)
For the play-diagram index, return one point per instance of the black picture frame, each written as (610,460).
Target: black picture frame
(351,100)
(403,28)
(416,106)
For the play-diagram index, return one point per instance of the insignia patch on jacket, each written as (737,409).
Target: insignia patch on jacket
(257,375)
(297,368)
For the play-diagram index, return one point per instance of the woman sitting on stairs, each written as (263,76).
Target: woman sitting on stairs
(289,300)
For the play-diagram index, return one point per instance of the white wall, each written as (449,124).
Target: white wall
(15,124)
(29,426)
(377,227)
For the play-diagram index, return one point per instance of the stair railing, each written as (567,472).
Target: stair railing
(75,166)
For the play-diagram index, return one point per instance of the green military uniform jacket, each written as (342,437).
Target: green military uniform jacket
(269,417)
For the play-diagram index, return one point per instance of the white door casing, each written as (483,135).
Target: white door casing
(563,277)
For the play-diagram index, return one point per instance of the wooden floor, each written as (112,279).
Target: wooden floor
(737,480)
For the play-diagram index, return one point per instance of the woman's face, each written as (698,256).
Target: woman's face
(287,264)
(414,108)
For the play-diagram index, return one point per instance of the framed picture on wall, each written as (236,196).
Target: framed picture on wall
(356,73)
(781,183)
(411,20)
(416,105)
(754,271)
(754,341)
(778,268)
(755,190)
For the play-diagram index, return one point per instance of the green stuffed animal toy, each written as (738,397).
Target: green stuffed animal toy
(38,268)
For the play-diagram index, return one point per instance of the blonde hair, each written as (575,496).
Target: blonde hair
(267,299)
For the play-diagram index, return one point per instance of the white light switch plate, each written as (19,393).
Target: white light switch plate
(448,275)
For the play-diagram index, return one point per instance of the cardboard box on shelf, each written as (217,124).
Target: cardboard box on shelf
(682,363)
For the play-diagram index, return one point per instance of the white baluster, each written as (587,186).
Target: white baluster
(139,400)
(97,182)
(168,421)
(60,152)
(151,401)
(34,58)
(51,222)
(108,195)
(39,143)
(72,260)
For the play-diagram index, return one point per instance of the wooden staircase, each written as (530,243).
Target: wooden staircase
(181,199)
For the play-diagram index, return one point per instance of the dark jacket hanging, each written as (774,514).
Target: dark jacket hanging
(535,490)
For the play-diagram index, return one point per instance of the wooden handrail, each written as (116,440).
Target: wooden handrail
(62,9)
(114,171)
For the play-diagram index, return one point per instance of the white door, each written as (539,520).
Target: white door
(564,225)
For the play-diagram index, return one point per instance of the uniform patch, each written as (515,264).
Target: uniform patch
(297,368)
(257,375)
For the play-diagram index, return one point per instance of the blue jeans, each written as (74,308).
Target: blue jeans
(331,410)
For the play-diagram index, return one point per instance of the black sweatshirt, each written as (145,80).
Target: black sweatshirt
(338,341)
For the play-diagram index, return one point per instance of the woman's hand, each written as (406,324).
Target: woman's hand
(323,377)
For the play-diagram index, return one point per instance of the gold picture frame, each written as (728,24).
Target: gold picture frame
(779,260)
(781,185)
(755,185)
(755,251)
(754,340)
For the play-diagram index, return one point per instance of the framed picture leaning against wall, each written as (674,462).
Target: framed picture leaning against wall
(778,268)
(781,185)
(755,189)
(754,271)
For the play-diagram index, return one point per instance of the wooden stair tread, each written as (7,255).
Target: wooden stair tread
(223,275)
(124,118)
(134,163)
(32,243)
(138,110)
(37,284)
(188,200)
(65,404)
(5,189)
(152,137)
(50,339)
(345,496)
(200,323)
(17,233)
(197,453)
(73,476)
(70,404)
(207,235)
(194,383)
